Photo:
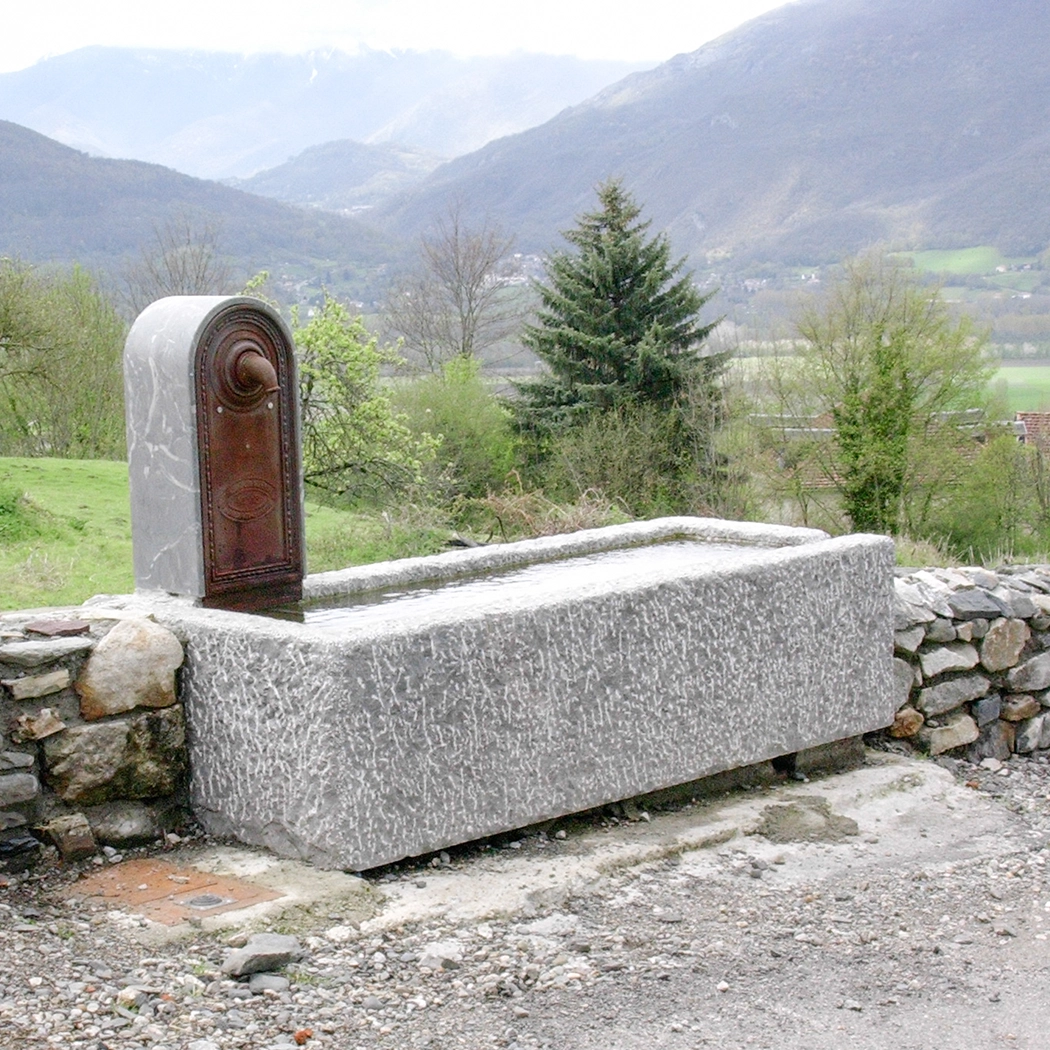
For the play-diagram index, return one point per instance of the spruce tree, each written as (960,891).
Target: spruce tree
(618,324)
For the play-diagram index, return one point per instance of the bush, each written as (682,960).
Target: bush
(476,447)
(1001,508)
(61,388)
(651,459)
(355,446)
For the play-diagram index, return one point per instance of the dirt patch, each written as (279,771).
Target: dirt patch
(806,820)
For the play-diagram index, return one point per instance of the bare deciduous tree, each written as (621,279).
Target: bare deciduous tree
(457,301)
(183,259)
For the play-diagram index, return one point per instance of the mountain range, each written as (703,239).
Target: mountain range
(57,204)
(343,176)
(218,115)
(805,135)
(800,138)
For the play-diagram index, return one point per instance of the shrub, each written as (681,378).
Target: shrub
(354,444)
(61,389)
(476,447)
(1001,508)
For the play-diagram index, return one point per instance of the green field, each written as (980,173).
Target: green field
(1019,386)
(979,260)
(65,532)
(1025,388)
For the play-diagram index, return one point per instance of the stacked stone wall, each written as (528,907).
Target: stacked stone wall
(93,751)
(972,660)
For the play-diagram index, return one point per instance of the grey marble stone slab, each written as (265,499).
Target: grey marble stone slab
(162,435)
(389,742)
(160,409)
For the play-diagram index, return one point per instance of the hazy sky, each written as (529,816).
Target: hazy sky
(634,30)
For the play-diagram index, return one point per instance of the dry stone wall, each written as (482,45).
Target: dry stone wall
(93,752)
(972,660)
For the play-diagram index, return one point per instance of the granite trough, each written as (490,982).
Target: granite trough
(436,718)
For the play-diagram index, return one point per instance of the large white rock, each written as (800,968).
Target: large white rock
(133,666)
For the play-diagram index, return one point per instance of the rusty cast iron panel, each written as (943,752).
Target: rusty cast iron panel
(247,443)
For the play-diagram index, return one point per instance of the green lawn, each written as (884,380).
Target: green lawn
(1026,387)
(72,538)
(979,260)
(65,532)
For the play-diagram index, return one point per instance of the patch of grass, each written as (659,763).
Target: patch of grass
(1025,388)
(65,532)
(1018,281)
(22,520)
(914,553)
(336,539)
(982,259)
(69,534)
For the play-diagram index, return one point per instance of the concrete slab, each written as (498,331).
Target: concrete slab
(168,893)
(218,888)
(900,807)
(892,812)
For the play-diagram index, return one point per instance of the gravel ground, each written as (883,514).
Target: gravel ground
(918,926)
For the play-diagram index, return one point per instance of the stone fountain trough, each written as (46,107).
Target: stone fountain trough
(472,692)
(445,718)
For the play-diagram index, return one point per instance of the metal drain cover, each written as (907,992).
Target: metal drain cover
(207,900)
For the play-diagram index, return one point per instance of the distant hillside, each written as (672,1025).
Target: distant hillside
(343,176)
(803,136)
(219,115)
(59,205)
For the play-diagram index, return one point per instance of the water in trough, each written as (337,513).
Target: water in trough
(549,579)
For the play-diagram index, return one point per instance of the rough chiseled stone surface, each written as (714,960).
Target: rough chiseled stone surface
(941,630)
(996,740)
(910,640)
(15,760)
(1033,674)
(987,709)
(906,724)
(1033,734)
(264,951)
(38,725)
(124,823)
(135,757)
(976,602)
(904,679)
(1006,616)
(18,787)
(958,729)
(72,835)
(1017,603)
(1016,707)
(363,749)
(133,666)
